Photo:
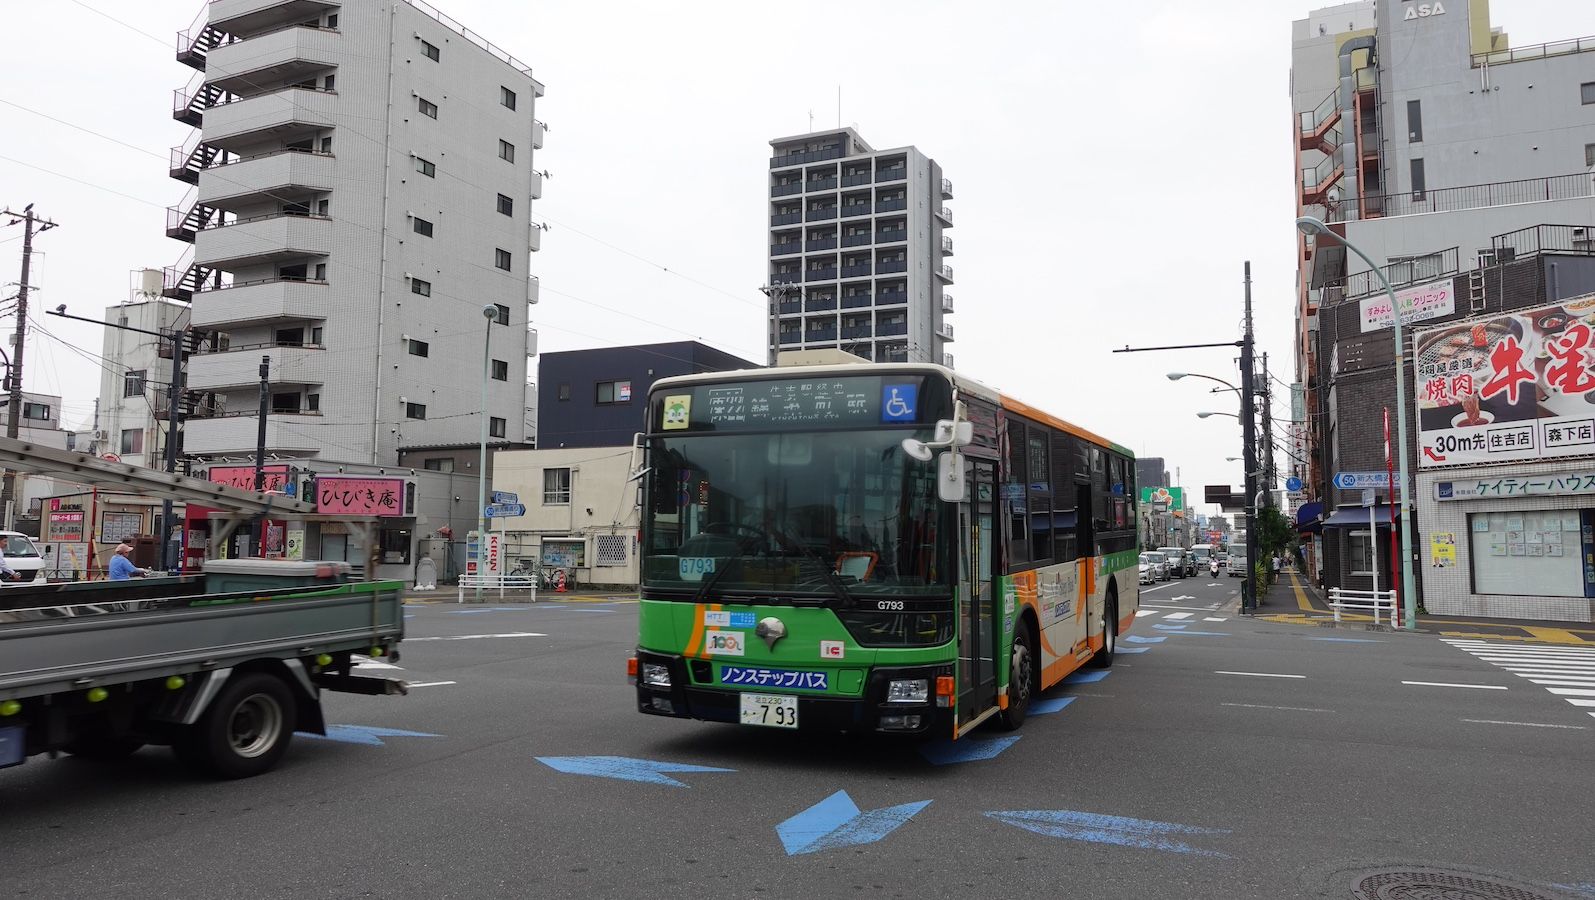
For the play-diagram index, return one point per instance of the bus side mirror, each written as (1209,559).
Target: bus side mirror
(951,485)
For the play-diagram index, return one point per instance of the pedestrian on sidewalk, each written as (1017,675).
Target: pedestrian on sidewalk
(1279,563)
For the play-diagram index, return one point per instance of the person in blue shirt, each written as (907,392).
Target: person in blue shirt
(122,568)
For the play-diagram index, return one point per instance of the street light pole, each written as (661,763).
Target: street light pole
(489,312)
(1312,226)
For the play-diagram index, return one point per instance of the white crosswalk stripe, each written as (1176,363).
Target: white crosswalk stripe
(1179,615)
(1565,672)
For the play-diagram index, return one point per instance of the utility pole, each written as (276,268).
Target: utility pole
(1249,599)
(1270,474)
(174,393)
(258,534)
(31,225)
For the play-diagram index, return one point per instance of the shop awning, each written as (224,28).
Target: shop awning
(1357,516)
(1308,515)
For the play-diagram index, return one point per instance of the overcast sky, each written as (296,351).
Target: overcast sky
(1114,165)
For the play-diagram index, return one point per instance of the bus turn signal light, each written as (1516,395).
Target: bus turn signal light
(944,685)
(631,669)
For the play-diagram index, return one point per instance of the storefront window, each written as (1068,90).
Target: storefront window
(1359,551)
(394,544)
(1527,553)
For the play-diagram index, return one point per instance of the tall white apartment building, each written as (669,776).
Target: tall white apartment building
(362,179)
(858,249)
(131,418)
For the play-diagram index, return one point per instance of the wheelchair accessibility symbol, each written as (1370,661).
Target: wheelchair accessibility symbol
(898,402)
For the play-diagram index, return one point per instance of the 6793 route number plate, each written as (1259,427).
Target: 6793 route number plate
(769,710)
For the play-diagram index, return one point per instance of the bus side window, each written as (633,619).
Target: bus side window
(1038,490)
(1014,493)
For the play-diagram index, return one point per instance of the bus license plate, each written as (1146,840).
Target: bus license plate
(770,710)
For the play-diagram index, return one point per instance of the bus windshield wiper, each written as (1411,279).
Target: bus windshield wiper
(831,578)
(714,577)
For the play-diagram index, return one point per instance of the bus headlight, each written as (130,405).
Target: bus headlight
(908,690)
(655,675)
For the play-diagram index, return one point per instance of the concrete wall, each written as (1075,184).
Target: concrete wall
(602,503)
(1469,230)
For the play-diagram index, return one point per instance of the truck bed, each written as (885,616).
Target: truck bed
(124,632)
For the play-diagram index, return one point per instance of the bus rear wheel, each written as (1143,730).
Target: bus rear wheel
(1023,677)
(1110,632)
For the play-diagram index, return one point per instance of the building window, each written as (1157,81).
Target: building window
(1533,553)
(425,167)
(426,107)
(501,258)
(430,50)
(506,151)
(37,410)
(315,335)
(1359,552)
(321,271)
(501,370)
(496,426)
(419,348)
(326,144)
(506,206)
(556,487)
(415,410)
(506,97)
(503,314)
(132,440)
(312,403)
(438,464)
(133,383)
(328,82)
(1589,154)
(332,20)
(1418,185)
(1587,89)
(418,286)
(1414,121)
(422,227)
(285,403)
(614,392)
(564,392)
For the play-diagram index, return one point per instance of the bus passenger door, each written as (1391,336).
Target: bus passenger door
(1086,544)
(977,632)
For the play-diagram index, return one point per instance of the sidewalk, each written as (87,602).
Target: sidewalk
(1292,600)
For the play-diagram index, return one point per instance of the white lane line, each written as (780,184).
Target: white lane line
(1179,615)
(1482,687)
(430,683)
(1216,619)
(1145,612)
(1259,674)
(1158,588)
(477,637)
(1289,708)
(1525,724)
(1213,584)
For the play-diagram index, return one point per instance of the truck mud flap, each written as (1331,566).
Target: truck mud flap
(356,684)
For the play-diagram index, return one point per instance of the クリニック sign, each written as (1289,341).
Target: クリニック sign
(1419,303)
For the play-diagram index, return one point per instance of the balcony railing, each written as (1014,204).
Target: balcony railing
(892,236)
(782,190)
(1537,51)
(794,159)
(1579,239)
(820,215)
(790,218)
(857,331)
(856,301)
(887,298)
(1403,272)
(820,244)
(891,205)
(889,329)
(828,274)
(786,278)
(791,337)
(787,307)
(281,279)
(1326,110)
(946,189)
(262,345)
(854,240)
(820,184)
(896,174)
(947,245)
(891,266)
(945,214)
(946,303)
(946,272)
(1476,196)
(855,179)
(784,249)
(820,334)
(853,210)
(857,271)
(819,304)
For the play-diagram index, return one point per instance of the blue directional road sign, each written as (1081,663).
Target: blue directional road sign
(1350,481)
(1097,828)
(496,510)
(1292,484)
(624,768)
(837,821)
(505,497)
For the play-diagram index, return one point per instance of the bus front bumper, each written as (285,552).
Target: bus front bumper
(685,698)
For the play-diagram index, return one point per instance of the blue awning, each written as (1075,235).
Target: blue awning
(1307,516)
(1357,516)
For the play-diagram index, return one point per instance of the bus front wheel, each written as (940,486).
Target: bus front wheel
(1023,677)
(1110,632)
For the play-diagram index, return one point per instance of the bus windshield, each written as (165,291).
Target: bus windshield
(804,514)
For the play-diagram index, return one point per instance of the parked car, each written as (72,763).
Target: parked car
(1180,564)
(1148,572)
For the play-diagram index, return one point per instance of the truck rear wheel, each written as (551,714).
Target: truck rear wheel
(246,730)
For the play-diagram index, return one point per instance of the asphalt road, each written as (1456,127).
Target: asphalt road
(1227,758)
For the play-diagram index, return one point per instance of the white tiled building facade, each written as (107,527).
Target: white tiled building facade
(362,186)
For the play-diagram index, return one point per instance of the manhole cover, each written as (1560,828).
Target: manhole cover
(1436,884)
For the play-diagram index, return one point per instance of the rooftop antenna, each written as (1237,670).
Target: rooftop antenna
(838,106)
(811,120)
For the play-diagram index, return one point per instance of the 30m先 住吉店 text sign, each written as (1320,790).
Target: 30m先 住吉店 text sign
(339,495)
(1509,387)
(1418,304)
(1576,484)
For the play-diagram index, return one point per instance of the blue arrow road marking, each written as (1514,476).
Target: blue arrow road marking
(1206,633)
(1171,627)
(946,753)
(1091,677)
(1348,640)
(362,734)
(1049,705)
(837,822)
(624,768)
(1132,649)
(1097,828)
(1136,638)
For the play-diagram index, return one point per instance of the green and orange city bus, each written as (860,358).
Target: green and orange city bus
(882,548)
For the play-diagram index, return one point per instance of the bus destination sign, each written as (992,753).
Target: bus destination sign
(861,401)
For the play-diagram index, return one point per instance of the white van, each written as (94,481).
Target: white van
(1236,564)
(22,556)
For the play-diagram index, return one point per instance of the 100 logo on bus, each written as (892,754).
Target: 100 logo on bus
(724,643)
